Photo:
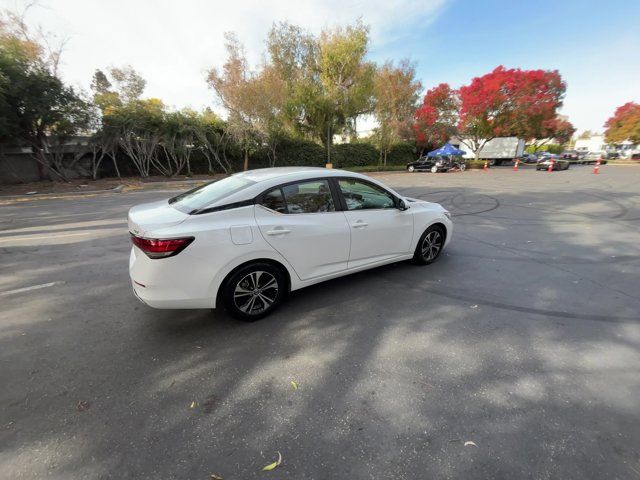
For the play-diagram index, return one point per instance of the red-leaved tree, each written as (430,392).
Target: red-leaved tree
(435,120)
(508,102)
(624,125)
(557,129)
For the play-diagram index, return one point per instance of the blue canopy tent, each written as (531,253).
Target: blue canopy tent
(446,149)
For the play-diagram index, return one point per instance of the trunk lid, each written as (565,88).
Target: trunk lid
(149,217)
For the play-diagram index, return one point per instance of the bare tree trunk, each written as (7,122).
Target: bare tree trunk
(41,157)
(246,159)
(115,163)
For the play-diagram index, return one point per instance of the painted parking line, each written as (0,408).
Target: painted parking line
(32,287)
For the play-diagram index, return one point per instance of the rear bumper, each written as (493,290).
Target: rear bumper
(166,284)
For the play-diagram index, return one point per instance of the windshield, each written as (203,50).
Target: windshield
(199,197)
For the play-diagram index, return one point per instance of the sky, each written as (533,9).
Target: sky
(594,44)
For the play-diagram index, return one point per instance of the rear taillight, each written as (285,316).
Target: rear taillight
(161,248)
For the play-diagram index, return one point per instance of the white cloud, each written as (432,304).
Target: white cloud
(173,43)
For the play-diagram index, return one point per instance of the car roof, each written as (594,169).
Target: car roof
(266,174)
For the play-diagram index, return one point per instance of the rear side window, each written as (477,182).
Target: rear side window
(308,197)
(304,197)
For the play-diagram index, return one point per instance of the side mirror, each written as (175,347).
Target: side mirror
(402,205)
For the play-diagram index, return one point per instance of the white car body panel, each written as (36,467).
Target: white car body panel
(319,246)
(324,236)
(379,235)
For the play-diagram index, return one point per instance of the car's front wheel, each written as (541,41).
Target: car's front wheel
(411,169)
(434,169)
(429,246)
(254,291)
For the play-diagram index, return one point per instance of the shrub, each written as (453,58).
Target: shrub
(401,154)
(346,155)
(300,152)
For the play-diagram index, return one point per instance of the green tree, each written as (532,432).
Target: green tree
(138,126)
(267,100)
(36,108)
(212,141)
(396,94)
(347,80)
(232,84)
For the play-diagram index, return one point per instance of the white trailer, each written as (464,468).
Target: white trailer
(497,150)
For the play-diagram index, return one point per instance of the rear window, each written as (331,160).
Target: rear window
(200,197)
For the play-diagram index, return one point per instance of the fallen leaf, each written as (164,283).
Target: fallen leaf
(470,444)
(193,404)
(215,477)
(273,465)
(83,405)
(294,385)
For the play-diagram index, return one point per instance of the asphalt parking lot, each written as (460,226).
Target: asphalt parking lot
(516,355)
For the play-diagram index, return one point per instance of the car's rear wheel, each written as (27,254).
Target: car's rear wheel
(254,291)
(463,167)
(434,169)
(429,246)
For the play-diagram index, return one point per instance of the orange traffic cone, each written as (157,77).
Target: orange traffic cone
(515,165)
(551,164)
(486,166)
(596,169)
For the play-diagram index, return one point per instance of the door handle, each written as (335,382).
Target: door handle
(360,225)
(278,231)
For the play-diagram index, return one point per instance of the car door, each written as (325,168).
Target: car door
(301,222)
(379,230)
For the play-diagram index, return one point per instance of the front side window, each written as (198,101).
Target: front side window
(308,197)
(361,195)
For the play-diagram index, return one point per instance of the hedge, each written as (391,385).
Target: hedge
(290,152)
(401,154)
(346,155)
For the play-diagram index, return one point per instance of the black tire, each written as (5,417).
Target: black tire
(248,291)
(424,255)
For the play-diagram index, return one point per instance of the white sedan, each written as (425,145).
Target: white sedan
(248,240)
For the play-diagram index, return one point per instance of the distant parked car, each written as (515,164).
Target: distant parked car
(437,164)
(635,156)
(612,155)
(422,164)
(571,155)
(593,157)
(528,158)
(557,162)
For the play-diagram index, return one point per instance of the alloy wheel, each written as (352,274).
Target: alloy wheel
(255,292)
(431,245)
